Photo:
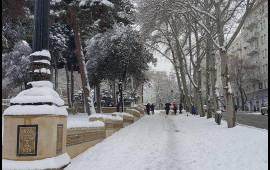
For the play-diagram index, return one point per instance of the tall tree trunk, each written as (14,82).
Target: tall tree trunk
(208,82)
(98,98)
(229,99)
(114,94)
(72,87)
(199,91)
(230,112)
(213,75)
(187,100)
(68,84)
(196,97)
(179,84)
(209,85)
(81,62)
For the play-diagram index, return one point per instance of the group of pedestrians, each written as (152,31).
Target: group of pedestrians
(174,107)
(150,107)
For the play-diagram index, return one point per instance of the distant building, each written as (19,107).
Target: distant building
(252,44)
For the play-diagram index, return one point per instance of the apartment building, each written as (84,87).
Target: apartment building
(252,44)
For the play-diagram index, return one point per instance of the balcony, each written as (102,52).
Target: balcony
(252,37)
(252,50)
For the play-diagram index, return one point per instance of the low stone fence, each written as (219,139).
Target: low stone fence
(54,137)
(112,124)
(127,118)
(135,113)
(141,110)
(80,139)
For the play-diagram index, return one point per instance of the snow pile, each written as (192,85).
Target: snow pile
(84,124)
(121,114)
(48,163)
(44,53)
(35,110)
(81,120)
(177,142)
(106,117)
(37,95)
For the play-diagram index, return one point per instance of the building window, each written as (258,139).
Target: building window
(262,40)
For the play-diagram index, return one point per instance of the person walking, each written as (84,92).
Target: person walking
(148,108)
(193,110)
(167,107)
(174,108)
(180,108)
(152,108)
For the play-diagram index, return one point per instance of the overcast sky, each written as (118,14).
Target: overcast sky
(163,64)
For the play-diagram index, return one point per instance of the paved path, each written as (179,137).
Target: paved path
(168,142)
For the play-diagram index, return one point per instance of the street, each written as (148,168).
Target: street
(255,120)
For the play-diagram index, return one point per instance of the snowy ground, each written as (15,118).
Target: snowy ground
(161,142)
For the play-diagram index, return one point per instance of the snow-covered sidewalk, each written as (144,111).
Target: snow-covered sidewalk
(161,142)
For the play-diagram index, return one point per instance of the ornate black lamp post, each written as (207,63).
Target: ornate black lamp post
(37,122)
(41,61)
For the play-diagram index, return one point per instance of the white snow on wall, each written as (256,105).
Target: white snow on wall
(35,110)
(84,124)
(121,114)
(48,163)
(106,117)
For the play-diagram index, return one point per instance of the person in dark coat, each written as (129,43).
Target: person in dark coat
(180,108)
(174,108)
(235,108)
(152,108)
(193,110)
(167,108)
(148,108)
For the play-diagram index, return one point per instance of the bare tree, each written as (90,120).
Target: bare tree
(241,76)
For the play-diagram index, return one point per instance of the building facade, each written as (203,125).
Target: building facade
(252,44)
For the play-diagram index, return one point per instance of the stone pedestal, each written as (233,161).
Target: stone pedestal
(34,137)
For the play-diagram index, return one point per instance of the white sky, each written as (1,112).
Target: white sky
(163,64)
